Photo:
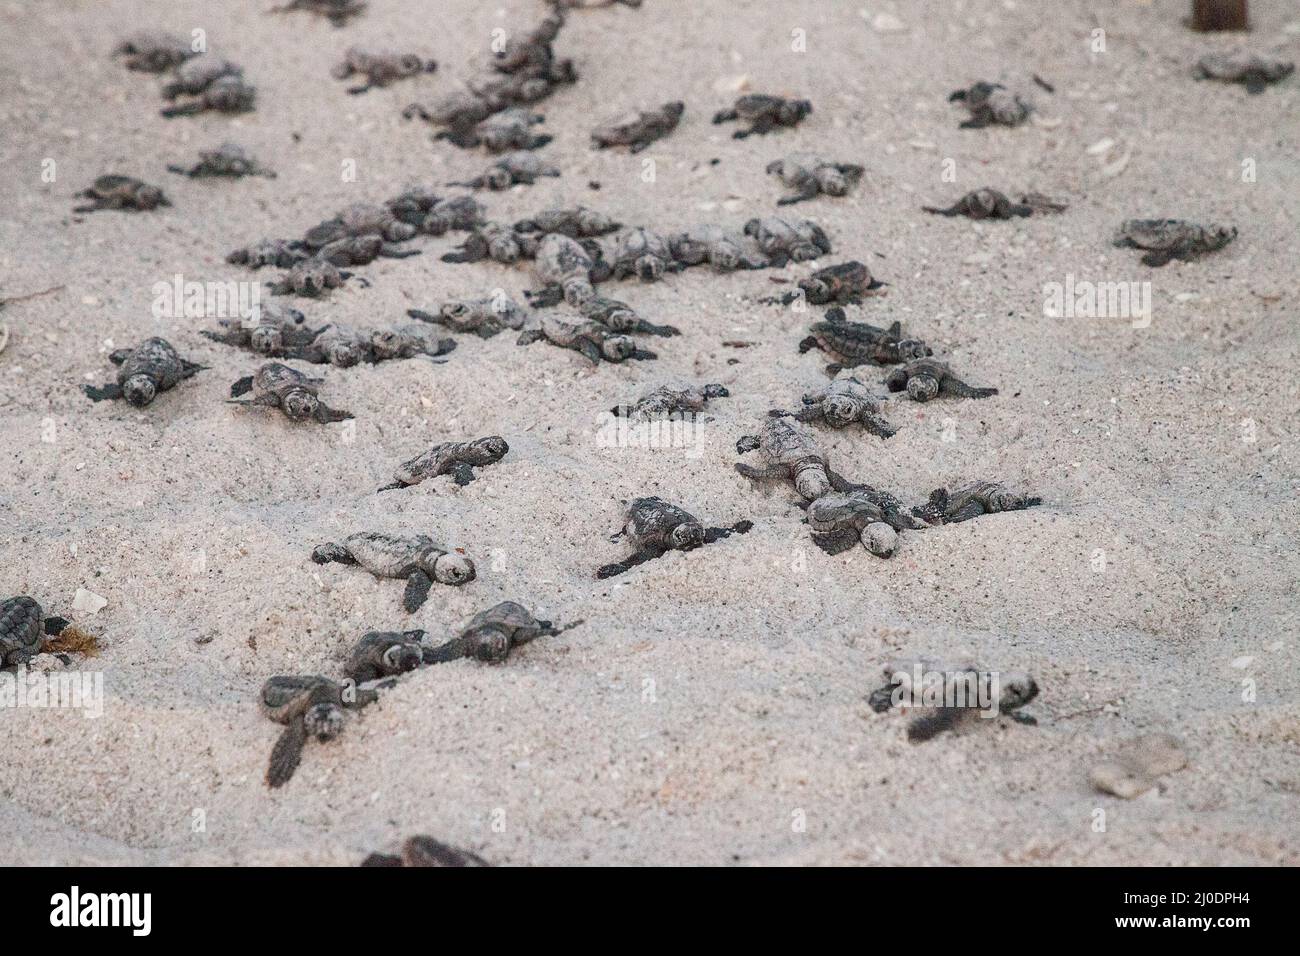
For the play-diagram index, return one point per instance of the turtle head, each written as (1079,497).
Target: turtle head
(841,410)
(299,404)
(578,291)
(139,390)
(497,178)
(909,350)
(725,256)
(687,535)
(1015,690)
(344,354)
(265,339)
(832,181)
(616,348)
(489,644)
(649,268)
(150,196)
(324,721)
(452,568)
(792,111)
(403,657)
(922,388)
(1222,235)
(495,446)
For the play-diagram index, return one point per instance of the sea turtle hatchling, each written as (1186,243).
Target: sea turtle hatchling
(407,340)
(783,240)
(842,403)
(568,270)
(763,113)
(151,367)
(308,706)
(592,339)
(344,346)
(620,317)
(359,251)
(380,69)
(415,557)
(511,169)
(1167,239)
(230,160)
(972,500)
(459,213)
(493,241)
(281,253)
(510,129)
(847,283)
(790,453)
(384,654)
(639,129)
(484,317)
(491,635)
(841,519)
(809,175)
(718,246)
(309,277)
(654,527)
(425,851)
(23,629)
(576,222)
(152,51)
(991,103)
(642,253)
(194,76)
(991,204)
(951,694)
(455,458)
(227,94)
(338,12)
(276,329)
(361,219)
(671,400)
(1255,70)
(859,343)
(279,386)
(121,192)
(927,378)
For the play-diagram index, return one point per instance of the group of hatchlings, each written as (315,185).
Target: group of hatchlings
(572,251)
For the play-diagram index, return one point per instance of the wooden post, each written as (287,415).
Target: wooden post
(1210,15)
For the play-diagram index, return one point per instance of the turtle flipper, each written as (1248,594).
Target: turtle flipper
(287,754)
(717,534)
(417,591)
(325,415)
(453,650)
(54,626)
(103,392)
(242,387)
(882,698)
(618,567)
(462,473)
(958,388)
(972,509)
(1157,258)
(931,725)
(325,553)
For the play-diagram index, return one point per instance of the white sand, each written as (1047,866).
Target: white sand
(759,671)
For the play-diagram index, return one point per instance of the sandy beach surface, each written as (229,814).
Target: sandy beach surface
(712,709)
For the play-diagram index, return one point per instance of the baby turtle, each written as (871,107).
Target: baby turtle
(968,686)
(991,103)
(380,69)
(344,346)
(639,129)
(568,271)
(455,458)
(763,113)
(308,707)
(510,129)
(671,400)
(622,318)
(512,169)
(792,454)
(809,175)
(227,94)
(576,222)
(455,212)
(361,219)
(151,367)
(23,629)
(152,51)
(360,251)
(426,851)
(484,317)
(983,204)
(405,341)
(1255,70)
(495,241)
(927,378)
(858,343)
(643,253)
(281,253)
(782,240)
(310,277)
(655,527)
(530,51)
(491,635)
(279,386)
(338,12)
(384,654)
(972,500)
(230,160)
(841,519)
(592,339)
(415,557)
(276,330)
(842,403)
(721,248)
(845,282)
(121,192)
(1167,239)
(194,76)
